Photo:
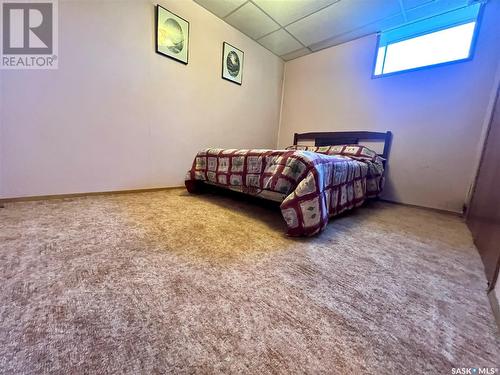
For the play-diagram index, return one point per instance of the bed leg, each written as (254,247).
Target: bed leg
(195,187)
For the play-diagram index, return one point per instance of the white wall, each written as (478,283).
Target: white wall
(436,114)
(116,115)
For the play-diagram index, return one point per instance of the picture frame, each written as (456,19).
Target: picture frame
(172,35)
(232,63)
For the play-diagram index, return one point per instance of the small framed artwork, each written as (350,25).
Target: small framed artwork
(232,63)
(172,35)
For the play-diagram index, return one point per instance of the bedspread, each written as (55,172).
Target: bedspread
(310,186)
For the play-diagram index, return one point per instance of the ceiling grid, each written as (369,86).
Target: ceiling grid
(294,28)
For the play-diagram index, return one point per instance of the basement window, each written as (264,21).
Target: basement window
(435,41)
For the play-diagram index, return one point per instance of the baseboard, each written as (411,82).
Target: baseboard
(495,306)
(76,195)
(459,214)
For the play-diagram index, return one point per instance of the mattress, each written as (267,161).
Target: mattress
(312,184)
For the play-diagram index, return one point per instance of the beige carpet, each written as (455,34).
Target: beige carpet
(170,282)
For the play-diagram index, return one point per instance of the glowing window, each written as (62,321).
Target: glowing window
(438,40)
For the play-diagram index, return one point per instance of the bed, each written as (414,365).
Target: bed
(311,182)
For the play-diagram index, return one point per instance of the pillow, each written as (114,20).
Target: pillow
(346,150)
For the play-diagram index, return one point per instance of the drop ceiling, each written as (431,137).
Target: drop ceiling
(294,28)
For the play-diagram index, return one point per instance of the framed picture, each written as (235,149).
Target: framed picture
(172,35)
(232,63)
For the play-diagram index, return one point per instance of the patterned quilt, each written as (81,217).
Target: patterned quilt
(312,185)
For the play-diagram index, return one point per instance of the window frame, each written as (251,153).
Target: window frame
(472,48)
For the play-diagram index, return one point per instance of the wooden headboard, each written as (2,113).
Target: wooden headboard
(346,138)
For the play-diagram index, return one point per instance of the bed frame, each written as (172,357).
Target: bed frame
(346,138)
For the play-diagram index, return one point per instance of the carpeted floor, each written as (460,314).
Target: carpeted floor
(167,282)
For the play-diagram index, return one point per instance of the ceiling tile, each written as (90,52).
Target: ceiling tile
(342,17)
(409,4)
(220,8)
(372,28)
(434,8)
(295,54)
(252,21)
(288,11)
(280,42)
